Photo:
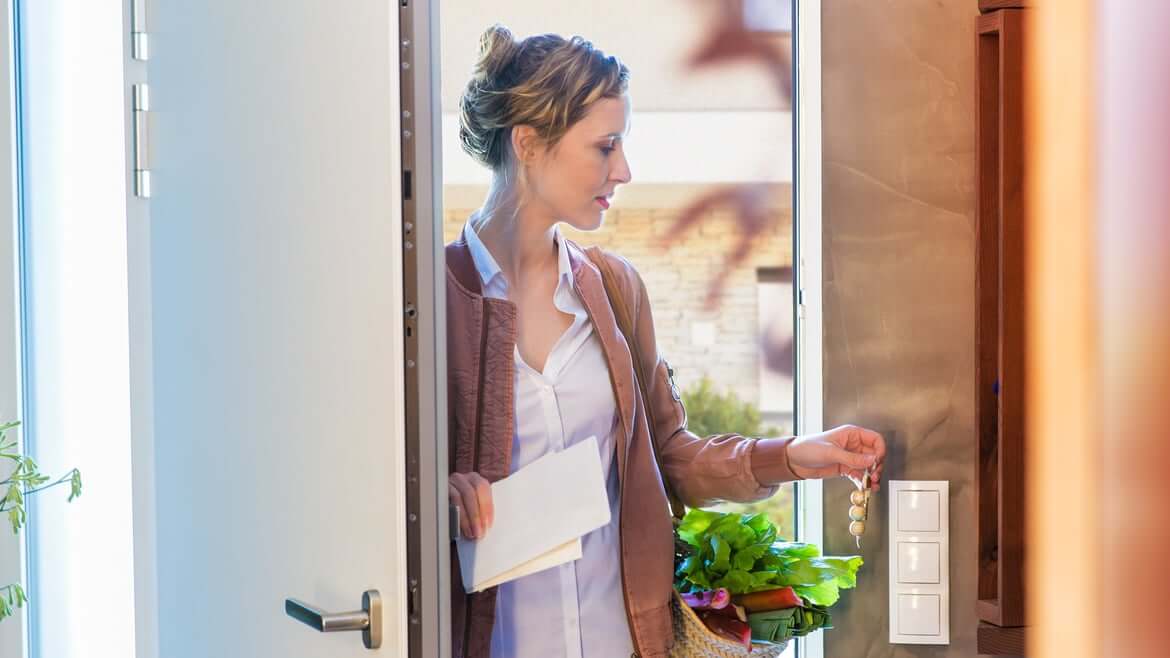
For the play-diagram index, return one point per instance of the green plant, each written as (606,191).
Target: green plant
(24,480)
(711,412)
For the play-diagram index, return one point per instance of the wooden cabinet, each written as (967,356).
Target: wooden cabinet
(1000,312)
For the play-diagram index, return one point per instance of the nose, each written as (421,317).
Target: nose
(621,172)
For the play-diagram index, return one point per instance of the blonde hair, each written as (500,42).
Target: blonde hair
(544,81)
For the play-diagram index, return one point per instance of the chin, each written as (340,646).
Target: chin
(586,223)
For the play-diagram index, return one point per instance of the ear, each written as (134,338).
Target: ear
(524,142)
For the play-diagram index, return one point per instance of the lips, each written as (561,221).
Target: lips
(603,201)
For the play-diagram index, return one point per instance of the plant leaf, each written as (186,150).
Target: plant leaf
(721,552)
(74,485)
(695,523)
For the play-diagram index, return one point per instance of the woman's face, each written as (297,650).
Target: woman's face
(575,179)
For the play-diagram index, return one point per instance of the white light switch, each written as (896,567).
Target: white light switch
(918,614)
(919,560)
(918,511)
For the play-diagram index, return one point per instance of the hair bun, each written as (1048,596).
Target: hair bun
(497,49)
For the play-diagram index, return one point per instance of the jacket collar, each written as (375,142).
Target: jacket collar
(488,269)
(461,267)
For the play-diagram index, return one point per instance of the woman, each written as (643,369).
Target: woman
(533,340)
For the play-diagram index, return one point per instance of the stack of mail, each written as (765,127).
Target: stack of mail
(541,513)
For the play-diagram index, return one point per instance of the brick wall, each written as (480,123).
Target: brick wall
(677,278)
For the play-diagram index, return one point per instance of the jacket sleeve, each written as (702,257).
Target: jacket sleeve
(700,470)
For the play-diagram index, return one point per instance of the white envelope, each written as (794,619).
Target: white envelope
(541,513)
(561,554)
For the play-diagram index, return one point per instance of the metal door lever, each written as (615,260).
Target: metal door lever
(368,620)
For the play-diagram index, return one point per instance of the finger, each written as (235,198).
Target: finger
(854,461)
(483,491)
(878,443)
(457,500)
(470,505)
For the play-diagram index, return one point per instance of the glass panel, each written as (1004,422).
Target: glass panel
(707,216)
(76,325)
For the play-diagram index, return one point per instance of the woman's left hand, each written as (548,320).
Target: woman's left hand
(842,451)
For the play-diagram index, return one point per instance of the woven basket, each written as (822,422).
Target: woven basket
(692,638)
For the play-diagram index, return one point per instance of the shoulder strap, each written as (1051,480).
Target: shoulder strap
(625,322)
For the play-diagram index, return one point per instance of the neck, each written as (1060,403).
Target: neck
(520,237)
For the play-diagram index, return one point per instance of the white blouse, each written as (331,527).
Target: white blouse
(574,610)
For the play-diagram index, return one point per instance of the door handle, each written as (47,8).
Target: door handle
(368,620)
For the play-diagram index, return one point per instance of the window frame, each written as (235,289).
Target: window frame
(807,271)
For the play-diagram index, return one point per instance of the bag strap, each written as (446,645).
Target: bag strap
(625,322)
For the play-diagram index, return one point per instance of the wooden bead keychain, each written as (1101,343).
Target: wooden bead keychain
(859,511)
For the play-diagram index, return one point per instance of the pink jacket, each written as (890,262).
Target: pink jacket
(481,335)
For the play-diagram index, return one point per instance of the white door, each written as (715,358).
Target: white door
(267,321)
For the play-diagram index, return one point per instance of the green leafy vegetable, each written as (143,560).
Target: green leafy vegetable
(783,625)
(740,552)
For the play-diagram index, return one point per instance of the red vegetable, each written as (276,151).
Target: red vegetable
(771,599)
(728,627)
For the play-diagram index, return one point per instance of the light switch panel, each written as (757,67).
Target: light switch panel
(919,561)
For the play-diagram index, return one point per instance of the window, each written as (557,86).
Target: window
(73,272)
(695,131)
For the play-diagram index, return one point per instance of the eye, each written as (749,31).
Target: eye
(606,150)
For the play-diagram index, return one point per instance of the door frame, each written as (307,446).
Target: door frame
(425,333)
(13,555)
(807,288)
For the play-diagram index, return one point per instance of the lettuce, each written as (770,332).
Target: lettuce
(740,552)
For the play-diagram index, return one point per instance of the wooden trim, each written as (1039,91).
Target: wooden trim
(986,6)
(995,641)
(1000,328)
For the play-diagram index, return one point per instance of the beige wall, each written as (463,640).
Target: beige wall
(676,280)
(658,80)
(899,280)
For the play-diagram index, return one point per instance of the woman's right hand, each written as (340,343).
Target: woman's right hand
(472,494)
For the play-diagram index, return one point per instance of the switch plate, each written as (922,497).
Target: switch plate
(919,545)
(918,511)
(918,562)
(919,615)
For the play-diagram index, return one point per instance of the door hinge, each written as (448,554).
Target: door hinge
(141,127)
(139,40)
